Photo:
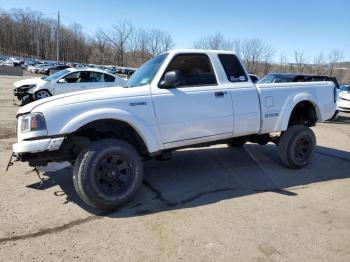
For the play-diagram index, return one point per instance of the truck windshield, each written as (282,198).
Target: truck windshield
(146,72)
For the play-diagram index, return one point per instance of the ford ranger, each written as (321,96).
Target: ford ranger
(178,99)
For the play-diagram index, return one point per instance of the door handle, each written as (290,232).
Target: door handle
(220,93)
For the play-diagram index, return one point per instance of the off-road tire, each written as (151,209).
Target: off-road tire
(296,146)
(92,184)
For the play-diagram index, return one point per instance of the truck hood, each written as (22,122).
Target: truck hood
(80,97)
(30,81)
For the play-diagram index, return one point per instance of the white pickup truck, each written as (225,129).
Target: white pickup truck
(181,98)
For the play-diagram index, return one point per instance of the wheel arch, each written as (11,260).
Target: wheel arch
(288,112)
(38,90)
(117,118)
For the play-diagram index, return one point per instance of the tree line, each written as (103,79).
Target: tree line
(31,34)
(258,56)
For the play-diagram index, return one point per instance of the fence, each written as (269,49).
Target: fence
(11,70)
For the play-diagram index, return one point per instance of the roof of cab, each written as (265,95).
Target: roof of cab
(71,69)
(207,51)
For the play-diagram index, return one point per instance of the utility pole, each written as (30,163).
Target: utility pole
(37,45)
(57,37)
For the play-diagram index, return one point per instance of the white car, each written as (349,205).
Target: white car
(343,101)
(64,81)
(178,99)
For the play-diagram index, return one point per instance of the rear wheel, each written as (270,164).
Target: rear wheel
(42,94)
(107,173)
(296,146)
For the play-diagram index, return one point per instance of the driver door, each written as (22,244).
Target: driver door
(196,109)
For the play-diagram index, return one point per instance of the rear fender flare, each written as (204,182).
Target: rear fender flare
(291,102)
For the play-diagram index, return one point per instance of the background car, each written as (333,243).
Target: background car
(64,81)
(53,69)
(254,78)
(343,101)
(292,77)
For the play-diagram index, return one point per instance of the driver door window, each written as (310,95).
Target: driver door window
(71,78)
(75,81)
(193,70)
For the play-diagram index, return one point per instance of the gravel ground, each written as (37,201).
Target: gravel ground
(206,204)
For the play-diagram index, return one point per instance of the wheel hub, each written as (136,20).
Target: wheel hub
(302,148)
(113,174)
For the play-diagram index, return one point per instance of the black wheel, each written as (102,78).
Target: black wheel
(238,142)
(42,94)
(107,173)
(296,146)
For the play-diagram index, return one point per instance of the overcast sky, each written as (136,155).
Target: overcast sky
(310,26)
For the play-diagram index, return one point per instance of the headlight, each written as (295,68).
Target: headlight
(33,122)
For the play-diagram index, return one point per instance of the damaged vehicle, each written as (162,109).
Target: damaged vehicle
(178,99)
(64,81)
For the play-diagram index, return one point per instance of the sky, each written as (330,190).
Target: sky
(305,25)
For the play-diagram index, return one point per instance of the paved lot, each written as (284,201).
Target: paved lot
(206,204)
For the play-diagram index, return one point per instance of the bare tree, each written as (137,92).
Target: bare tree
(28,33)
(334,57)
(215,42)
(159,41)
(300,60)
(122,34)
(268,54)
(237,48)
(319,63)
(283,64)
(256,52)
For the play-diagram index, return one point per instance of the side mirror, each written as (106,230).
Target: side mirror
(170,79)
(62,81)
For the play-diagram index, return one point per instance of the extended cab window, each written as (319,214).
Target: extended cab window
(193,69)
(233,68)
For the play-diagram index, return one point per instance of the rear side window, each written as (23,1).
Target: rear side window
(108,78)
(233,68)
(96,77)
(194,70)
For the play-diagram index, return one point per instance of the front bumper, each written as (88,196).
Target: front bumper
(20,92)
(40,145)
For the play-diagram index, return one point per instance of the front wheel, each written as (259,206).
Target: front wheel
(107,173)
(41,94)
(296,146)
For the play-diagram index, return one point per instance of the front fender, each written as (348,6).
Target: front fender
(290,103)
(149,135)
(40,87)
